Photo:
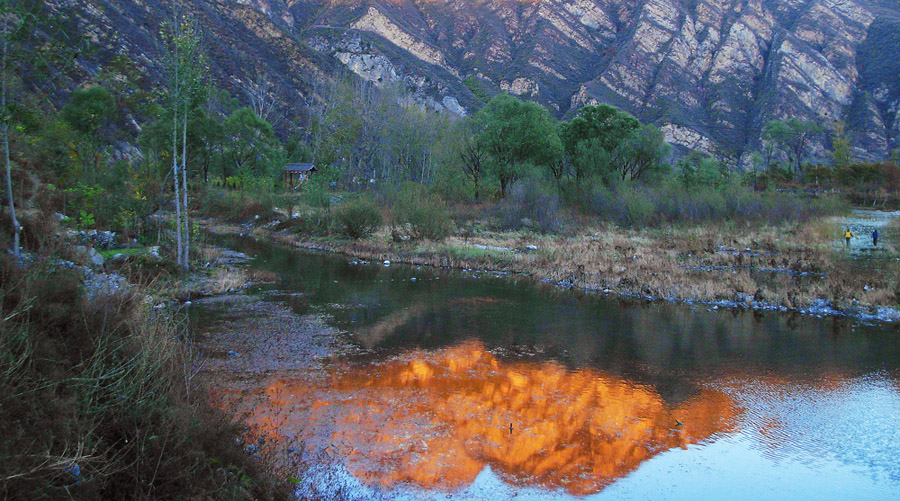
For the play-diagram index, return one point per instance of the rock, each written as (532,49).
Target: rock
(104,284)
(745,299)
(90,254)
(886,314)
(95,258)
(101,239)
(399,236)
(531,248)
(387,263)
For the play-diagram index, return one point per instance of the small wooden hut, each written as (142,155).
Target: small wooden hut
(299,172)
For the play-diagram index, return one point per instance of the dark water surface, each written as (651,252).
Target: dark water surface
(476,386)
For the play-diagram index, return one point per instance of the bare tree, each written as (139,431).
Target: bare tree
(262,98)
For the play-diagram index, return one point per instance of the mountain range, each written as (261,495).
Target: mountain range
(710,73)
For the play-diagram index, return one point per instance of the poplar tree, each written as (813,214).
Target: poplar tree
(187,67)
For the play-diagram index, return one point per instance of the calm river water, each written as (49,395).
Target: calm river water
(429,384)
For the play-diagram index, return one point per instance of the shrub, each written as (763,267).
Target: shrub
(636,206)
(882,175)
(425,213)
(530,206)
(314,222)
(703,171)
(237,207)
(358,218)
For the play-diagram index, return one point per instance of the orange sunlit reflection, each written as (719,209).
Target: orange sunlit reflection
(436,419)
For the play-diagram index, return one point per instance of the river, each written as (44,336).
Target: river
(406,383)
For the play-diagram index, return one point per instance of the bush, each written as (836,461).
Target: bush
(314,222)
(637,206)
(237,207)
(697,170)
(425,213)
(358,218)
(530,206)
(877,175)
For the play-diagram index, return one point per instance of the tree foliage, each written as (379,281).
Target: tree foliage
(516,134)
(840,145)
(593,135)
(792,137)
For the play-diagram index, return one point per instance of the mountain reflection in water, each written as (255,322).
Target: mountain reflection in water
(436,419)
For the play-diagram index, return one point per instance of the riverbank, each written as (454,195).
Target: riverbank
(793,267)
(98,396)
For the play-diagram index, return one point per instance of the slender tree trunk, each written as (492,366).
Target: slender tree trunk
(184,194)
(17,228)
(177,185)
(177,181)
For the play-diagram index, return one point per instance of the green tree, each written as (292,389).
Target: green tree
(472,156)
(251,145)
(186,94)
(593,134)
(87,112)
(699,169)
(641,154)
(335,125)
(517,133)
(792,137)
(88,109)
(840,146)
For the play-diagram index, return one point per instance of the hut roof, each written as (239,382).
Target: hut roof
(301,167)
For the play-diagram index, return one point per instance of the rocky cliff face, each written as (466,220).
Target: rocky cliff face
(710,72)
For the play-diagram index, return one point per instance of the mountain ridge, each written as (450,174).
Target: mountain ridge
(709,72)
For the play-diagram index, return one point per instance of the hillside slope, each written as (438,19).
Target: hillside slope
(710,72)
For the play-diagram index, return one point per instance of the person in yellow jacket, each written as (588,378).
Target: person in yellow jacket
(847,236)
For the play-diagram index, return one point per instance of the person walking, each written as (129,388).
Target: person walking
(847,236)
(875,238)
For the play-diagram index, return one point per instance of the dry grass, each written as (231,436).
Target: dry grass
(262,276)
(210,254)
(791,265)
(228,280)
(97,401)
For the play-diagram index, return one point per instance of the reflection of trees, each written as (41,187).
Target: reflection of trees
(436,419)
